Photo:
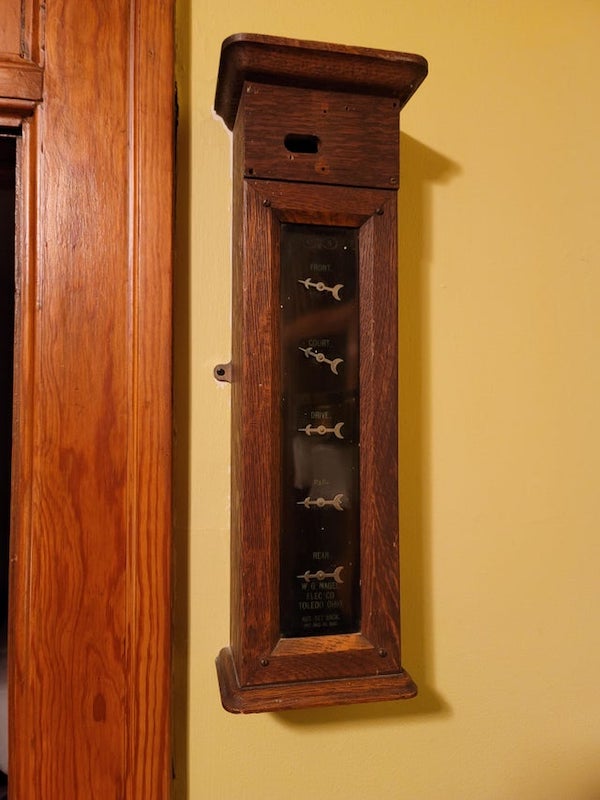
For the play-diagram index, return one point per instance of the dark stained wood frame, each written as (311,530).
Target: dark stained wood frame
(261,671)
(313,65)
(258,655)
(89,638)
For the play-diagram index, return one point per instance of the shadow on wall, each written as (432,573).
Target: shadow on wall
(421,169)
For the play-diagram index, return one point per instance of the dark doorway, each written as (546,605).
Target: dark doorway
(7,323)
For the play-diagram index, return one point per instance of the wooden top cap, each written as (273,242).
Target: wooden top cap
(312,65)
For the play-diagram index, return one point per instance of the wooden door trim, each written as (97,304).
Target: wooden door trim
(49,755)
(19,78)
(151,237)
(23,441)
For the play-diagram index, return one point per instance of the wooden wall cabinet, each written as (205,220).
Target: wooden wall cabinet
(315,614)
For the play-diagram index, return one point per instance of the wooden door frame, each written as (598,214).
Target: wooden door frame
(89,663)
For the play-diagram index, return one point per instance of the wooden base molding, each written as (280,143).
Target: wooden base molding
(308,694)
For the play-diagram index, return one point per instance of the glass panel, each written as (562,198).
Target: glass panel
(320,520)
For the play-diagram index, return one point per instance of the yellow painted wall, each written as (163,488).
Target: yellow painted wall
(500,432)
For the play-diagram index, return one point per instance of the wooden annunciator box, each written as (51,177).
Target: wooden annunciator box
(315,617)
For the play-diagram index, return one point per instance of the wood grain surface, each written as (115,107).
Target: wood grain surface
(315,142)
(21,41)
(260,657)
(312,65)
(10,27)
(357,136)
(90,592)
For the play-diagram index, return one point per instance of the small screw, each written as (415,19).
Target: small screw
(267,203)
(393,180)
(220,371)
(382,652)
(379,211)
(264,662)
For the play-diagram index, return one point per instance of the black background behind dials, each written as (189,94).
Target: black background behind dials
(319,539)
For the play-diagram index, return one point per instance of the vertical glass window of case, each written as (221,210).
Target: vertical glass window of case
(320,488)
